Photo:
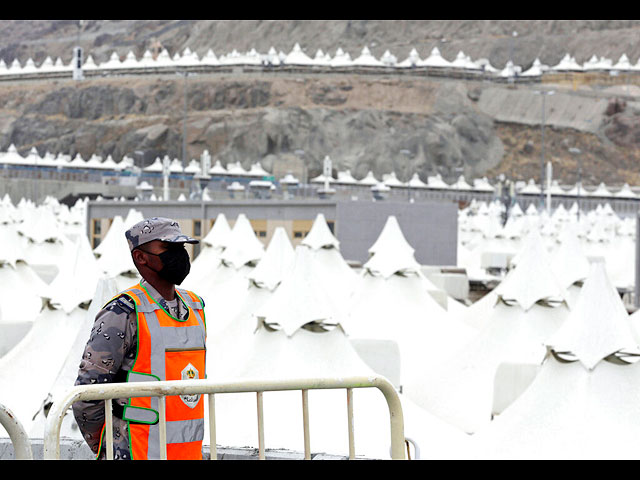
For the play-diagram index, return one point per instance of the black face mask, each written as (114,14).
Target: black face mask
(175,264)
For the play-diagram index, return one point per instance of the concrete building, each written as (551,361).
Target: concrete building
(429,226)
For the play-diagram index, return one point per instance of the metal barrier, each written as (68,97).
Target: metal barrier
(191,387)
(19,438)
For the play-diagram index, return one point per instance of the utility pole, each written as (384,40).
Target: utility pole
(543,94)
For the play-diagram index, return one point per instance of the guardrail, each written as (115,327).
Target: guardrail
(191,387)
(19,438)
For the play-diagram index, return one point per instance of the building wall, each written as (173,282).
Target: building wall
(430,227)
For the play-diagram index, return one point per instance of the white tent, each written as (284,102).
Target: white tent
(585,394)
(78,277)
(243,246)
(228,341)
(277,260)
(514,320)
(302,297)
(369,179)
(66,376)
(306,353)
(411,61)
(298,57)
(366,59)
(29,368)
(435,59)
(210,256)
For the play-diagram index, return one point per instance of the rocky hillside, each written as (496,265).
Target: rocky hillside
(492,39)
(290,122)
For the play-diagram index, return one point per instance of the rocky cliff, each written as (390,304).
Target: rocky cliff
(290,122)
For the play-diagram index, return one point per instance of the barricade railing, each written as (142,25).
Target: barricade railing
(19,438)
(162,389)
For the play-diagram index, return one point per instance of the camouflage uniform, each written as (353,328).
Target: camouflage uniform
(111,350)
(108,356)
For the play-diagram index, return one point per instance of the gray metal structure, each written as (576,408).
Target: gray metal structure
(430,227)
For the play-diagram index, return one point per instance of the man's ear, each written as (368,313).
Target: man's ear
(138,257)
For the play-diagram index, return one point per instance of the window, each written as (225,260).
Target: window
(197,228)
(97,226)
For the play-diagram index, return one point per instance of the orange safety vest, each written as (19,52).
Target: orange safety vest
(168,349)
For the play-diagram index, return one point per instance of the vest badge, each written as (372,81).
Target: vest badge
(190,373)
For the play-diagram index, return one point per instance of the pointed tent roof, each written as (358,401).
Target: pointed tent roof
(599,324)
(298,57)
(391,253)
(369,179)
(12,156)
(436,182)
(622,63)
(256,170)
(217,169)
(289,179)
(275,263)
(219,235)
(535,70)
(235,169)
(464,61)
(366,59)
(530,189)
(483,185)
(193,167)
(461,184)
(625,192)
(244,247)
(79,275)
(105,290)
(569,263)
(412,60)
(391,180)
(11,250)
(346,178)
(595,63)
(532,278)
(301,297)
(320,236)
(155,167)
(415,182)
(341,59)
(389,59)
(115,256)
(567,63)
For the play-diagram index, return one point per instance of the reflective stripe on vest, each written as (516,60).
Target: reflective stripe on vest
(168,349)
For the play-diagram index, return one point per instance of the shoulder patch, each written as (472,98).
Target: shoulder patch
(121,304)
(126,303)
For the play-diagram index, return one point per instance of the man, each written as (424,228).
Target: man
(149,332)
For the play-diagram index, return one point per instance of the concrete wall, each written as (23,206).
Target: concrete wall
(430,227)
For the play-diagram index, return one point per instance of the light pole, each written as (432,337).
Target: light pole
(407,153)
(184,74)
(543,94)
(513,36)
(577,152)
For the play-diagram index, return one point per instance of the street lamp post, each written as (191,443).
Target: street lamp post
(184,74)
(513,36)
(577,152)
(543,94)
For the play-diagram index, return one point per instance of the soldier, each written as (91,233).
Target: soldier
(151,331)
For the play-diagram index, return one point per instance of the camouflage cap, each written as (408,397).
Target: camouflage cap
(156,228)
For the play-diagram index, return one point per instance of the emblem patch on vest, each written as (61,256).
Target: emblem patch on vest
(190,373)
